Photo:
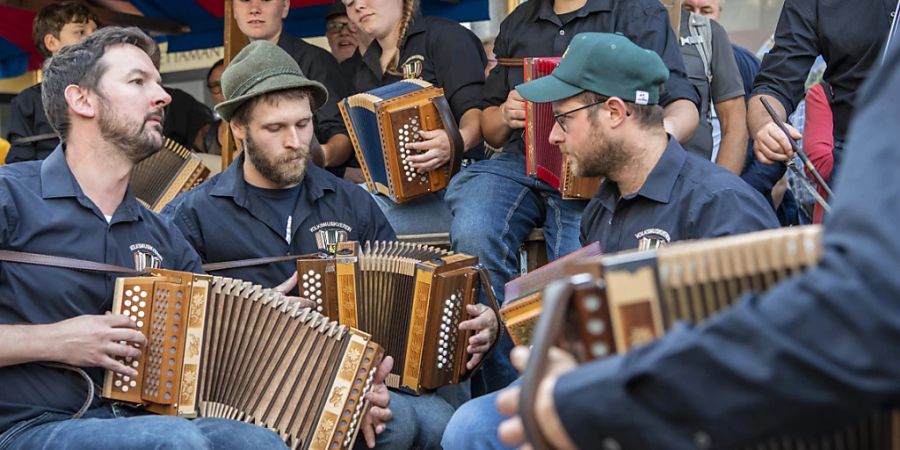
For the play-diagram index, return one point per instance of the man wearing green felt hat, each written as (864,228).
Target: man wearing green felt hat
(605,94)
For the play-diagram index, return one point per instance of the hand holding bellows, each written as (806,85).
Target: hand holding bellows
(96,341)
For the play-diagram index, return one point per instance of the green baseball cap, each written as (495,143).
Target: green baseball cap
(604,63)
(263,67)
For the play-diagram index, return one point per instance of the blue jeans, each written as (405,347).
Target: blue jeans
(495,204)
(118,427)
(419,421)
(424,215)
(474,426)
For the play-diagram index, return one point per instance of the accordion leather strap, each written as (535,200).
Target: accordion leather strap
(492,303)
(511,62)
(35,138)
(238,263)
(65,263)
(555,303)
(456,141)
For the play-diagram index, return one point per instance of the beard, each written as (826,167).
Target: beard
(605,158)
(134,139)
(283,171)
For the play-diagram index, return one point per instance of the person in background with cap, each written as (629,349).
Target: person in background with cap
(275,203)
(264,20)
(605,96)
(815,354)
(494,230)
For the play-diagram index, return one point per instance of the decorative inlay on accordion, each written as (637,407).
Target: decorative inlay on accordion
(543,160)
(411,298)
(227,348)
(628,299)
(523,295)
(381,122)
(159,178)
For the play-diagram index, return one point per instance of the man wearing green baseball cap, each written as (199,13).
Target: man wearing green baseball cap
(271,200)
(605,94)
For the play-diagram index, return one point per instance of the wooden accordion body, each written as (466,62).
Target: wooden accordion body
(159,178)
(411,298)
(226,348)
(621,301)
(542,159)
(381,122)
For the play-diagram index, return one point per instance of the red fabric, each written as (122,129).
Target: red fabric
(217,7)
(818,139)
(16,29)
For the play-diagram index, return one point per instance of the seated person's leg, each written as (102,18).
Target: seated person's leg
(492,214)
(474,426)
(562,227)
(400,432)
(149,431)
(424,215)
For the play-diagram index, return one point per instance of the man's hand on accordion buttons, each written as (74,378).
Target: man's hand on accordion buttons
(513,110)
(95,341)
(484,327)
(376,419)
(511,430)
(436,145)
(287,286)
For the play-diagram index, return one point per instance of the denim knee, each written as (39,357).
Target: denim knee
(231,434)
(474,426)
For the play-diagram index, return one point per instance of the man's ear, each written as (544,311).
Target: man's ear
(238,132)
(618,111)
(80,102)
(285,8)
(52,43)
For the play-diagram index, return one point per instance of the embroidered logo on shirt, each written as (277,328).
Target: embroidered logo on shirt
(652,238)
(145,256)
(413,67)
(329,234)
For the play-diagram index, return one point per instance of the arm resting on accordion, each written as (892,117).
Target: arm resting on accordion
(82,341)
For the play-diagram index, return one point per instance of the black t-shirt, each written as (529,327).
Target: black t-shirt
(27,119)
(280,202)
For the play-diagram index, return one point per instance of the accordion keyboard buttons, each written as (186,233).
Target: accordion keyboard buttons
(312,288)
(134,306)
(449,332)
(407,134)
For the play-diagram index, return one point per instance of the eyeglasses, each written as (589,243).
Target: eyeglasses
(563,116)
(337,27)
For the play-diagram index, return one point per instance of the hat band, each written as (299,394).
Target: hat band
(248,84)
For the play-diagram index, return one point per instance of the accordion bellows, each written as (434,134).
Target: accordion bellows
(159,178)
(220,347)
(622,301)
(542,159)
(382,121)
(411,298)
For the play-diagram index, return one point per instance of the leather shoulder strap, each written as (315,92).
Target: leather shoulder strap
(36,138)
(236,264)
(456,140)
(65,263)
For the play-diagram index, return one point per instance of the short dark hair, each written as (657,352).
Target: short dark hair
(52,18)
(209,72)
(79,64)
(648,116)
(241,115)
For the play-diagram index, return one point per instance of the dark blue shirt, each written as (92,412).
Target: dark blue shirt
(684,197)
(43,210)
(221,220)
(534,29)
(817,351)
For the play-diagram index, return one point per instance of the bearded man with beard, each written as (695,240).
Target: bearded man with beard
(272,200)
(104,99)
(604,95)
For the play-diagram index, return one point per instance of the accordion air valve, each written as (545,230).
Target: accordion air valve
(381,123)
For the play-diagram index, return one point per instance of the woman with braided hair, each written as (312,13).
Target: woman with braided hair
(436,50)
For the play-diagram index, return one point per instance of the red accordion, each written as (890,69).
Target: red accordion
(543,160)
